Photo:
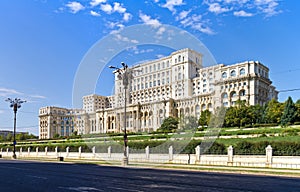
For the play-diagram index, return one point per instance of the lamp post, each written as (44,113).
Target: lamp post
(15,104)
(123,75)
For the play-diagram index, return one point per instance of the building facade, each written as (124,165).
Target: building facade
(176,85)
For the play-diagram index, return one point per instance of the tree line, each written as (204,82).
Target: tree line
(273,113)
(243,115)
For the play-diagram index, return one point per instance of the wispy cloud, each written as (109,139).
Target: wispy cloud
(136,50)
(38,96)
(244,8)
(1,111)
(182,15)
(242,13)
(269,7)
(75,6)
(195,22)
(4,92)
(149,21)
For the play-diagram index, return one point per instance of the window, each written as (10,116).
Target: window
(225,95)
(242,93)
(233,73)
(233,94)
(242,71)
(224,75)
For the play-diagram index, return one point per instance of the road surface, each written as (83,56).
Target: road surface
(17,175)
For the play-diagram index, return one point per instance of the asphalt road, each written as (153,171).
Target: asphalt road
(16,175)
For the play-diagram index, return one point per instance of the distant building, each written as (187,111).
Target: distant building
(175,85)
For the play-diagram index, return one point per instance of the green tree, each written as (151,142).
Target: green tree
(255,113)
(273,112)
(289,113)
(189,123)
(297,104)
(20,137)
(204,118)
(9,137)
(56,135)
(169,124)
(237,116)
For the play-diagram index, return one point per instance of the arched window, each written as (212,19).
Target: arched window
(225,95)
(233,73)
(197,109)
(224,75)
(233,94)
(242,93)
(242,71)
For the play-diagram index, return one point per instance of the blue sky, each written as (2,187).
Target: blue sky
(43,42)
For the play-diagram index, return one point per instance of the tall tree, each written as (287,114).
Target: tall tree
(188,123)
(298,109)
(255,113)
(204,118)
(273,112)
(289,113)
(169,124)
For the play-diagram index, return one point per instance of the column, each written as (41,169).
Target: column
(230,156)
(171,153)
(147,152)
(269,154)
(198,154)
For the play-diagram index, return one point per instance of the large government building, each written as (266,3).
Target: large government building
(175,85)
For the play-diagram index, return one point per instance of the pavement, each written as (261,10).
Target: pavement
(191,167)
(20,175)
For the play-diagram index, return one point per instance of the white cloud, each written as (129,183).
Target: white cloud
(269,7)
(1,111)
(94,3)
(182,15)
(161,30)
(94,13)
(127,17)
(159,56)
(195,22)
(242,13)
(4,92)
(217,9)
(38,96)
(75,6)
(136,51)
(149,21)
(107,8)
(118,8)
(170,4)
(119,37)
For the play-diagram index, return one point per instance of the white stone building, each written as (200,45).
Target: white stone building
(175,85)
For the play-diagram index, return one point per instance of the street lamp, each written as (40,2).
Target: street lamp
(123,75)
(15,104)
